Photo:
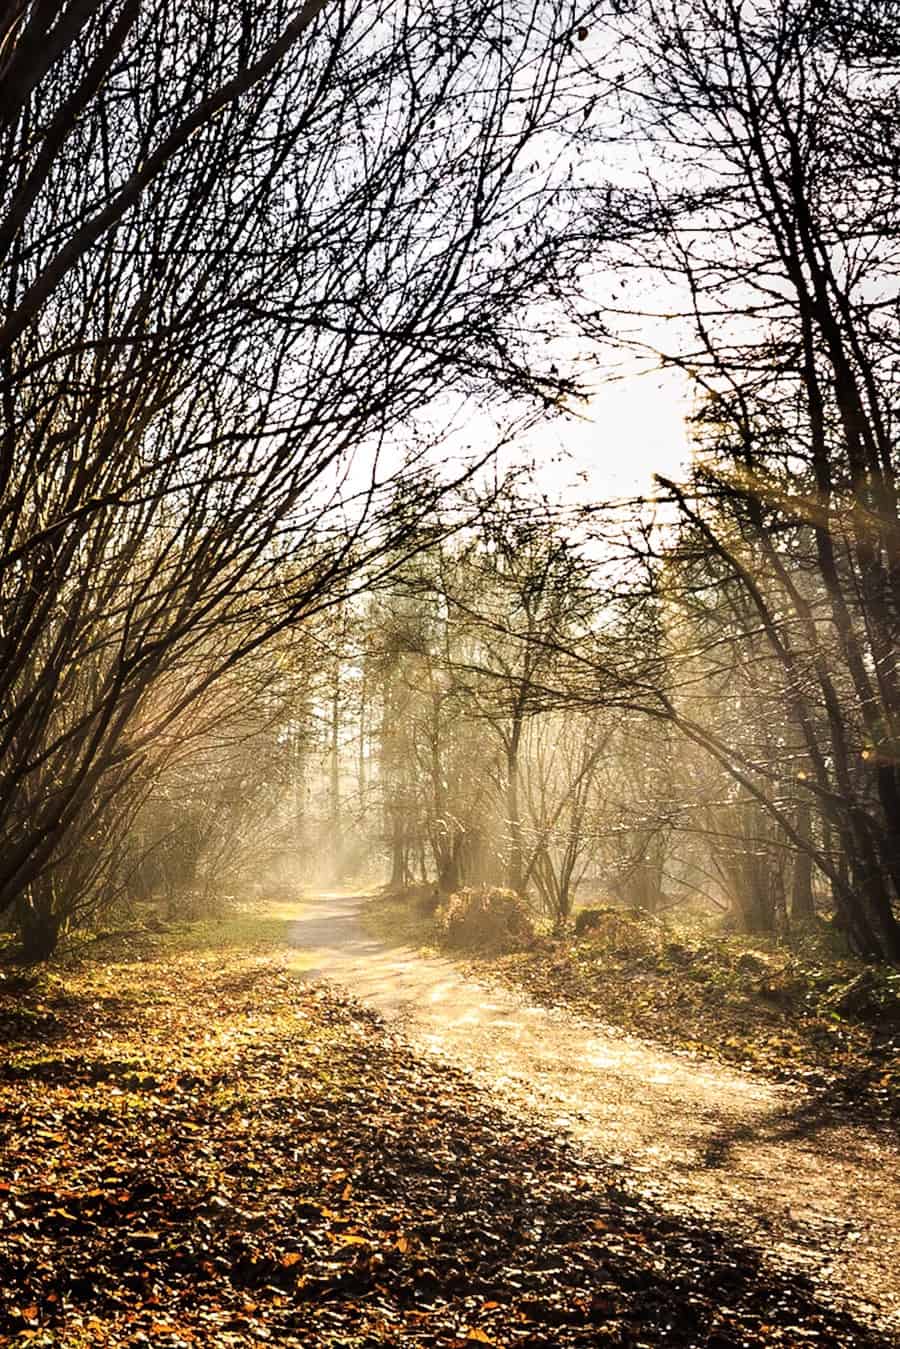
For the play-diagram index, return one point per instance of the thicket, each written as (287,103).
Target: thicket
(733,698)
(242,248)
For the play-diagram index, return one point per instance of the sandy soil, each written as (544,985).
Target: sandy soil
(692,1135)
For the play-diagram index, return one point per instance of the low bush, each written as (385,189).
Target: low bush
(630,934)
(589,918)
(487,917)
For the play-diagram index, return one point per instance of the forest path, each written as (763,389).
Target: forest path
(814,1192)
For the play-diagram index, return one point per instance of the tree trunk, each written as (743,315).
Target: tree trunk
(39,925)
(802,906)
(334,812)
(514,864)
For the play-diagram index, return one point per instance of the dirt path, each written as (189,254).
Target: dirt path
(693,1135)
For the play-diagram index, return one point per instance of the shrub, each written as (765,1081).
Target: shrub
(487,917)
(590,918)
(624,934)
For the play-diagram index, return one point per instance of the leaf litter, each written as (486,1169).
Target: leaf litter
(202,1150)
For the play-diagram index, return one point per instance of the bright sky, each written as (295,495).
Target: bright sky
(628,431)
(608,450)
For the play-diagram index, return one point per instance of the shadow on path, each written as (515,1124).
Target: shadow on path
(694,1136)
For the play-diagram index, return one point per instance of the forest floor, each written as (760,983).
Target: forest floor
(205,1139)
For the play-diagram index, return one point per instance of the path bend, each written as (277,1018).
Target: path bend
(692,1135)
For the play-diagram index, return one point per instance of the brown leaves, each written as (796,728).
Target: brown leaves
(265,1161)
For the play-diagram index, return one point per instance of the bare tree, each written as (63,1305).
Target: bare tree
(772,181)
(241,246)
(562,753)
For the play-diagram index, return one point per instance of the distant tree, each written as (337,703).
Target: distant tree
(518,597)
(559,769)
